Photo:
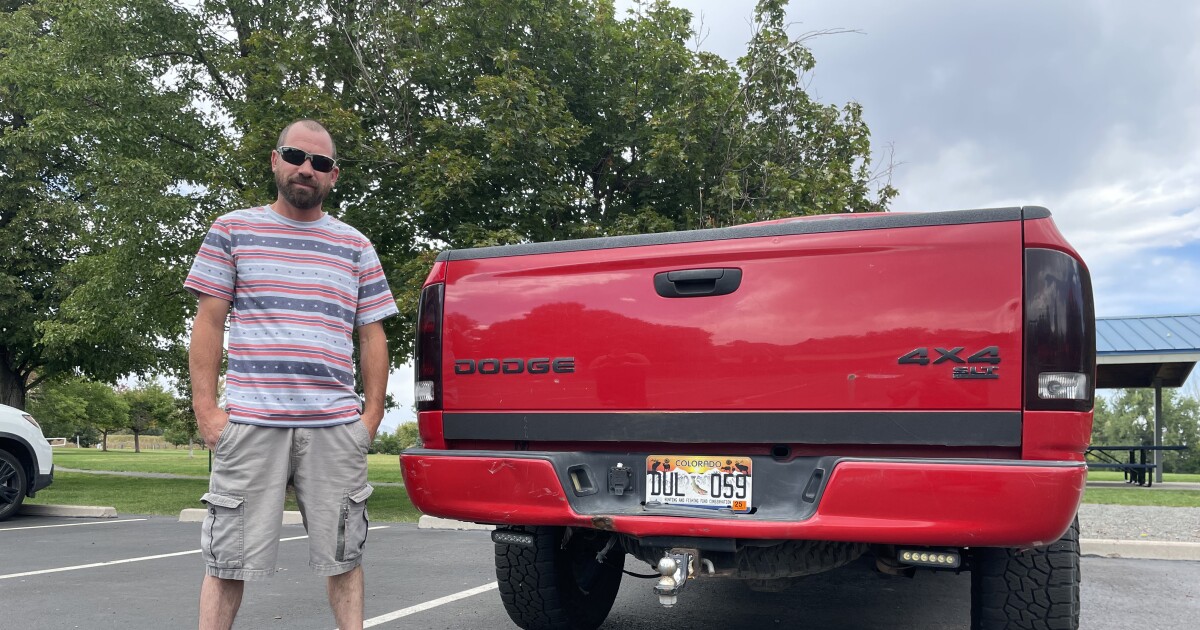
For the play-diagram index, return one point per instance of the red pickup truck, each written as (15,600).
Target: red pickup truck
(765,402)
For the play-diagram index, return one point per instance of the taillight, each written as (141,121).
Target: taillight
(429,349)
(1060,333)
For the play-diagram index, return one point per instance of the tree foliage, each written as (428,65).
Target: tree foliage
(405,436)
(150,408)
(100,138)
(70,406)
(126,126)
(181,428)
(1128,419)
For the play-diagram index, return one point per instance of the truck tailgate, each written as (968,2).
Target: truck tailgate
(909,318)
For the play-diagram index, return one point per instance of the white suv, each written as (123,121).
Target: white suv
(26,459)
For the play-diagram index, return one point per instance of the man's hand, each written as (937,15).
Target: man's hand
(372,421)
(210,423)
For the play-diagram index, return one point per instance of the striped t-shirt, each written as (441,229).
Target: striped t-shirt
(298,289)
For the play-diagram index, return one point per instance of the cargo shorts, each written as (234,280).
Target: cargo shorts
(250,472)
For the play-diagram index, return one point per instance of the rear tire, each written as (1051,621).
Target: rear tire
(541,585)
(1035,589)
(13,484)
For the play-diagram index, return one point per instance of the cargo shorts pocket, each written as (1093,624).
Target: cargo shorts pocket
(223,539)
(352,527)
(362,435)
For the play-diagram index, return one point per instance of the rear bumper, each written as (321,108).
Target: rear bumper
(967,503)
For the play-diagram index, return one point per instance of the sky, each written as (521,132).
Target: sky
(1090,108)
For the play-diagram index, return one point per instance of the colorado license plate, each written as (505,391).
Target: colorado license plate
(706,481)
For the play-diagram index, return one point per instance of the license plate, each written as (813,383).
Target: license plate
(704,481)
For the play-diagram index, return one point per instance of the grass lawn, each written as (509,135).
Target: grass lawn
(134,495)
(130,495)
(160,461)
(1142,496)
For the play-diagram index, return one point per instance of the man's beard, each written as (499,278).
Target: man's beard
(300,197)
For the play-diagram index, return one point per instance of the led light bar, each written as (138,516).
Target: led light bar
(509,537)
(925,558)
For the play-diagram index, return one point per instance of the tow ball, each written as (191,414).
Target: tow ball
(676,567)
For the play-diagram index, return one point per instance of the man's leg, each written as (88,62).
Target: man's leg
(219,602)
(330,477)
(346,598)
(240,536)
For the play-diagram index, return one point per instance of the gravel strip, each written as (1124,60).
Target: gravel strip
(121,473)
(156,475)
(1128,522)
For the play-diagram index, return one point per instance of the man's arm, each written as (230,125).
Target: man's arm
(204,361)
(373,364)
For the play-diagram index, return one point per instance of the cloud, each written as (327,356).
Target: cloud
(1091,109)
(400,386)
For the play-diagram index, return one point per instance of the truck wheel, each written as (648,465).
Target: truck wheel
(556,584)
(1033,588)
(13,484)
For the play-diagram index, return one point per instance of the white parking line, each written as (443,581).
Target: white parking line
(404,612)
(128,560)
(127,520)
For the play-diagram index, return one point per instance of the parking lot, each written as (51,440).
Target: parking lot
(144,573)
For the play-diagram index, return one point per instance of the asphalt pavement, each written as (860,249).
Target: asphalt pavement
(137,572)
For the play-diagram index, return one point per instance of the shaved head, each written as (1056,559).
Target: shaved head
(311,125)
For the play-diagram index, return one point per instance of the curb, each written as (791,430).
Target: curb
(196,515)
(69,511)
(1140,549)
(1132,549)
(433,522)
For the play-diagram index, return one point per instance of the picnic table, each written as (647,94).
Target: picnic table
(1130,460)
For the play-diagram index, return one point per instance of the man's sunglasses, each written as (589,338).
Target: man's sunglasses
(296,157)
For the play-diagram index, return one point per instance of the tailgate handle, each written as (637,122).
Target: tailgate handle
(697,282)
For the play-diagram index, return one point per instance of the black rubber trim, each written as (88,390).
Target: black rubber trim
(940,428)
(834,223)
(41,481)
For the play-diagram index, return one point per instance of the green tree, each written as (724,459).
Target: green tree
(127,126)
(105,157)
(69,406)
(515,120)
(150,407)
(60,406)
(405,436)
(181,428)
(1129,419)
(409,435)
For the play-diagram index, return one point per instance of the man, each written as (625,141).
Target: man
(300,284)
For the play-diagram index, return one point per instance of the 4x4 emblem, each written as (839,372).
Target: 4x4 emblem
(969,368)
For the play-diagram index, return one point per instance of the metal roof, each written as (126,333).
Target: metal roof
(1137,351)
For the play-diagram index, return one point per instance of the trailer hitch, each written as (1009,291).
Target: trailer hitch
(676,567)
